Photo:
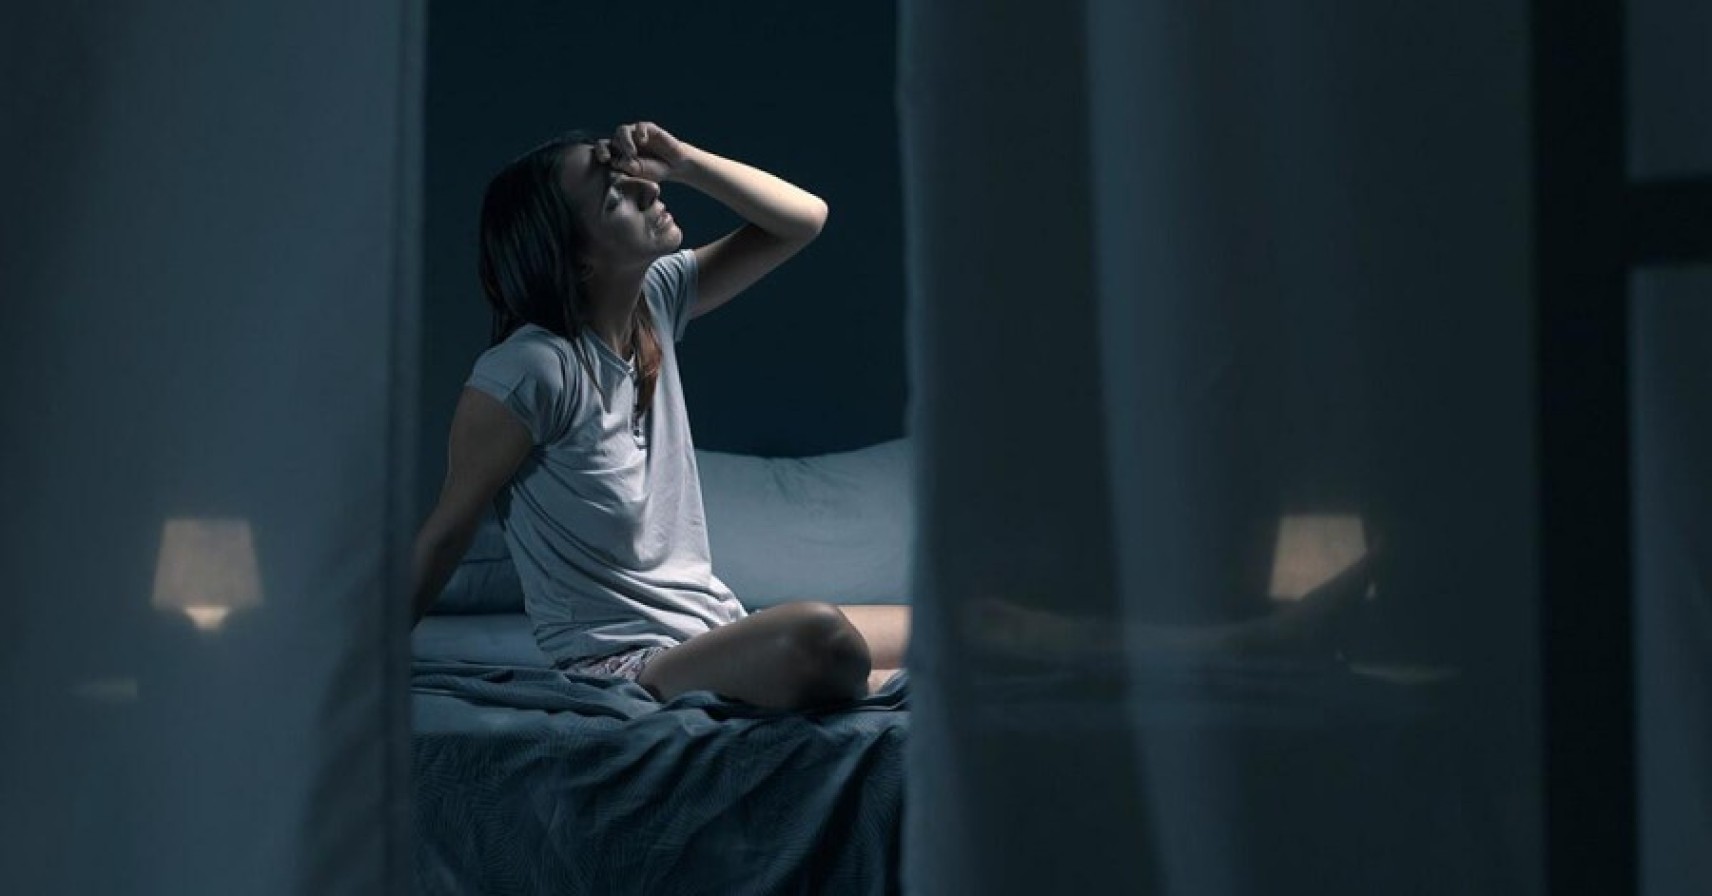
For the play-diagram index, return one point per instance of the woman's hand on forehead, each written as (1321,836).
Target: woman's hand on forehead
(642,149)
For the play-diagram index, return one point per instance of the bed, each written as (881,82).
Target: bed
(530,780)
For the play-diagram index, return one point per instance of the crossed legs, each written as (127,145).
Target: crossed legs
(791,656)
(797,655)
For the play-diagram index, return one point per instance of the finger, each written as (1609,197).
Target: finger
(625,139)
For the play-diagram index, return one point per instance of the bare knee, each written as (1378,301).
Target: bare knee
(827,657)
(791,656)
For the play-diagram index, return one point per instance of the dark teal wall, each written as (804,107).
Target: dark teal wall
(811,359)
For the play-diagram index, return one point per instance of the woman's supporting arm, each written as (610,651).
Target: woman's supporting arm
(486,446)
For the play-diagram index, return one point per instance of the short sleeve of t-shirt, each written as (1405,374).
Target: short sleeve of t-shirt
(530,375)
(671,280)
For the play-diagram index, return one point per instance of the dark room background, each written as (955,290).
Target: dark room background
(808,361)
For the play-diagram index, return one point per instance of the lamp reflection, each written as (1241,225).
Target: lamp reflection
(206,570)
(1311,548)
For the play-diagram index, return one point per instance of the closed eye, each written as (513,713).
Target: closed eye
(612,193)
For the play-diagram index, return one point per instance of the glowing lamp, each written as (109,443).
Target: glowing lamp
(207,569)
(1313,547)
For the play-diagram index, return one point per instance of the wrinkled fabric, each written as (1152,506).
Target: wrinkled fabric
(535,781)
(604,522)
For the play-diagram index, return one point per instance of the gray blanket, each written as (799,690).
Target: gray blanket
(536,781)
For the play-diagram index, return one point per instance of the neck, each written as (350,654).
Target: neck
(612,302)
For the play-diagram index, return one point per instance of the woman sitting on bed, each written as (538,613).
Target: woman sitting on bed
(573,425)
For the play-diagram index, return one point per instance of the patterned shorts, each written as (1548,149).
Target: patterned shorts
(627,664)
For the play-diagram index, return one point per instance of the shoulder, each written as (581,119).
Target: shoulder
(530,355)
(671,276)
(674,265)
(529,348)
(670,286)
(532,372)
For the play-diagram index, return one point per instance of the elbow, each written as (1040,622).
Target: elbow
(817,217)
(798,224)
(447,530)
(809,222)
(433,545)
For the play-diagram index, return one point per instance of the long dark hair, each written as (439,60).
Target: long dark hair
(529,246)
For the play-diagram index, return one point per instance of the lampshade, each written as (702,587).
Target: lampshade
(207,569)
(1311,549)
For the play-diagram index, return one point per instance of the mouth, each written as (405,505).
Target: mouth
(663,220)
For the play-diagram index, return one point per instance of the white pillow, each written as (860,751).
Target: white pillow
(838,527)
(499,639)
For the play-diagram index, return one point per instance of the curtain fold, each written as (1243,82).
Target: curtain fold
(1671,322)
(207,368)
(1220,348)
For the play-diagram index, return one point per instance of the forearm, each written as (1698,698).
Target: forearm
(432,562)
(770,203)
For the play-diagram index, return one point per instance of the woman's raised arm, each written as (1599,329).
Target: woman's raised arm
(783,218)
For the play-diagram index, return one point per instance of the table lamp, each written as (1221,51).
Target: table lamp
(207,569)
(1313,547)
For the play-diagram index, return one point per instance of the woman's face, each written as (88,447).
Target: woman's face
(624,224)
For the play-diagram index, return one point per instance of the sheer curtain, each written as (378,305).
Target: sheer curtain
(1671,333)
(208,358)
(1669,153)
(1209,303)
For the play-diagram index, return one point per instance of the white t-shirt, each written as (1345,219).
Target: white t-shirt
(606,528)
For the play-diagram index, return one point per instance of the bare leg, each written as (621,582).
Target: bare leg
(786,657)
(1307,626)
(877,679)
(886,629)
